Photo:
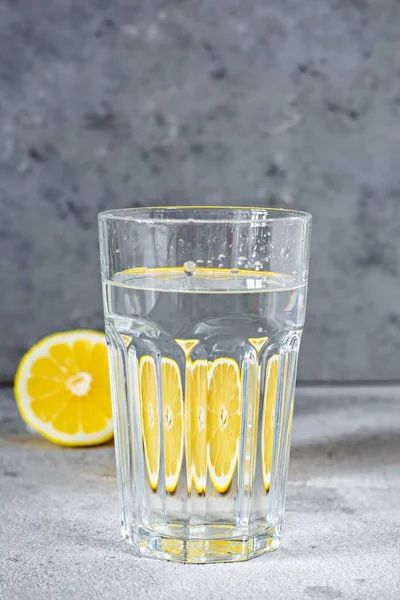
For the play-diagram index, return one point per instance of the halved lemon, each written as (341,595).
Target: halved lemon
(196,424)
(62,388)
(223,421)
(148,391)
(268,423)
(172,399)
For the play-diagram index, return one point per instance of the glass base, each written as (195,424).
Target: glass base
(203,551)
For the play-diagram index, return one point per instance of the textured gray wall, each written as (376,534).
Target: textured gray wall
(285,102)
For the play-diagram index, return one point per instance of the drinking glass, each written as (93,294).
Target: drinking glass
(204,311)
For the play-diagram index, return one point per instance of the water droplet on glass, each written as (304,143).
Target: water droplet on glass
(258,265)
(221,256)
(200,261)
(209,262)
(284,253)
(242,259)
(181,242)
(189,268)
(235,270)
(220,265)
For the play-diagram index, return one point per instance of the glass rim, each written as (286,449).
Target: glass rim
(140,215)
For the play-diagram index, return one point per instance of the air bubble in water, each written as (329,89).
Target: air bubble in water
(189,268)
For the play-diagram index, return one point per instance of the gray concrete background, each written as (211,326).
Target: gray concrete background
(283,102)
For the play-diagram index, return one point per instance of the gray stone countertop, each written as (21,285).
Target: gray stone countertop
(59,530)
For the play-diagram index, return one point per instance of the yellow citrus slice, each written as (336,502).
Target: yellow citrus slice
(268,423)
(62,388)
(172,398)
(148,391)
(195,418)
(254,385)
(223,421)
(196,424)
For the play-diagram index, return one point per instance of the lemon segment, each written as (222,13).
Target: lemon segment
(196,425)
(254,385)
(62,388)
(173,422)
(223,421)
(148,391)
(268,423)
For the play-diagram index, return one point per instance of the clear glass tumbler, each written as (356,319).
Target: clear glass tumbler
(204,311)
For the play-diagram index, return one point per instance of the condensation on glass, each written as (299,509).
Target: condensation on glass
(204,311)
